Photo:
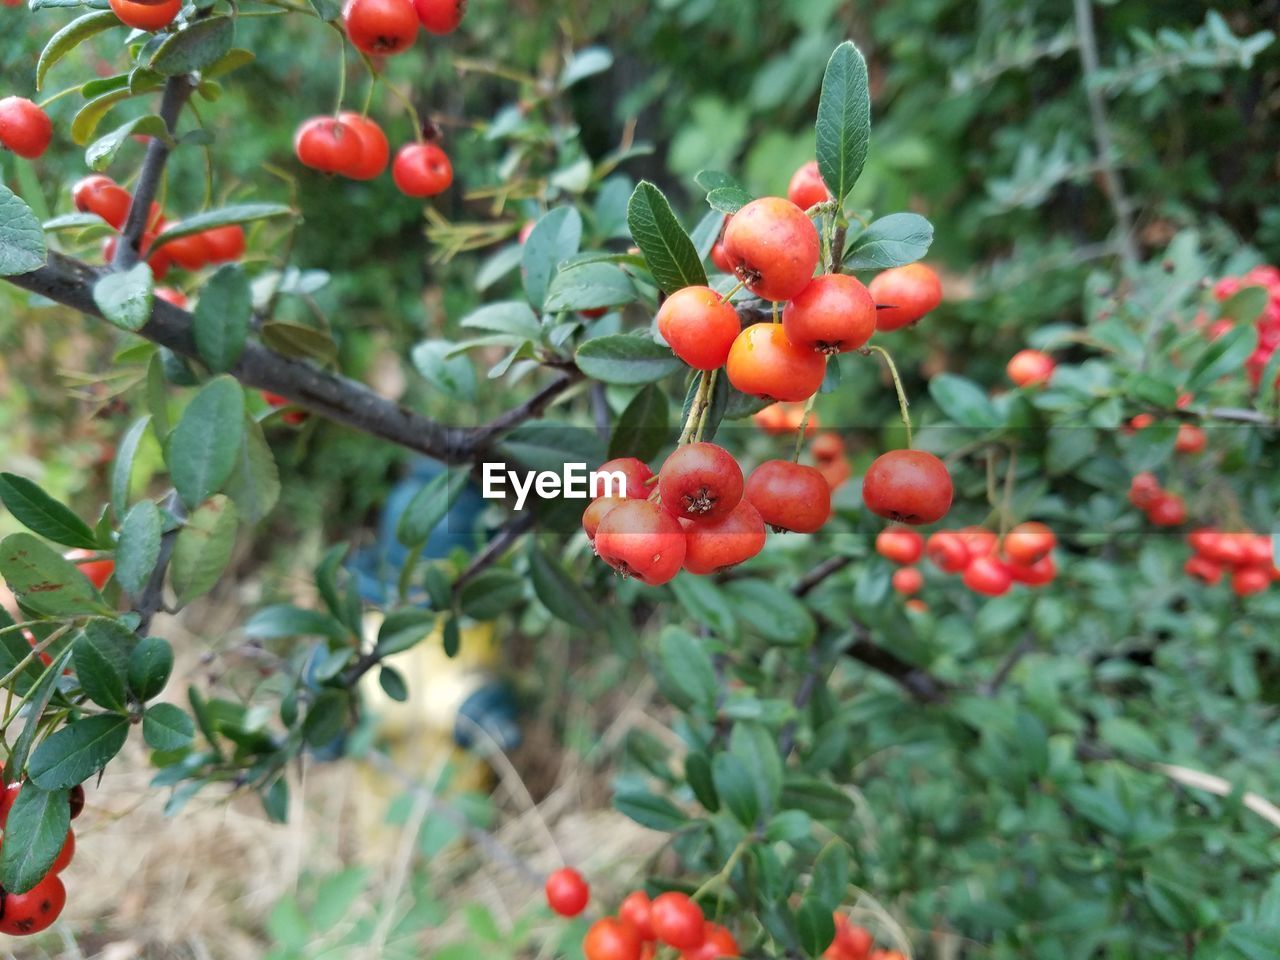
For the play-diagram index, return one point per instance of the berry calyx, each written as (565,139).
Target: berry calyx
(146,16)
(700,481)
(715,545)
(807,186)
(422,170)
(904,294)
(380,27)
(440,16)
(833,314)
(790,496)
(699,327)
(773,248)
(678,921)
(763,362)
(1030,368)
(24,127)
(908,486)
(567,893)
(640,539)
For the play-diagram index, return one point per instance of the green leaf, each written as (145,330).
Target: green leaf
(296,340)
(644,427)
(891,241)
(728,199)
(76,752)
(428,507)
(736,788)
(22,246)
(393,684)
(122,467)
(563,596)
(452,637)
(1245,305)
(102,151)
(404,629)
(757,747)
(40,513)
(656,813)
(670,254)
(70,37)
(150,666)
(687,670)
(819,799)
(200,44)
(203,548)
(513,317)
(125,298)
(697,771)
(772,612)
(205,445)
(222,314)
(706,603)
(830,875)
(490,594)
(585,63)
(626,359)
(555,238)
(963,401)
(85,123)
(240,213)
(101,657)
(139,546)
(844,120)
(43,581)
(326,718)
(41,818)
(283,620)
(1254,941)
(166,727)
(589,286)
(231,60)
(254,485)
(1225,355)
(816,926)
(453,376)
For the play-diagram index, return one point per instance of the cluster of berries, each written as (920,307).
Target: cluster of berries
(1267,277)
(1163,509)
(990,564)
(853,942)
(24,914)
(100,195)
(780,419)
(1249,557)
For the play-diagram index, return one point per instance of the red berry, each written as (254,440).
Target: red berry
(190,252)
(635,911)
(790,496)
(440,16)
(1249,580)
(827,446)
(24,127)
(833,314)
(988,576)
(640,539)
(718,942)
(638,476)
(678,921)
(979,541)
(763,362)
(76,800)
(1202,568)
(900,545)
(146,15)
(1168,510)
(905,294)
(66,854)
(98,571)
(1260,551)
(596,512)
(1028,542)
(807,187)
(700,481)
(380,27)
(1191,439)
(773,248)
(1140,422)
(567,893)
(611,939)
(1043,571)
(422,170)
(699,327)
(375,151)
(1144,489)
(715,545)
(22,914)
(1030,368)
(327,144)
(226,244)
(908,581)
(948,551)
(908,486)
(721,259)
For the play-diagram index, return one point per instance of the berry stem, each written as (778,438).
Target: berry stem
(700,401)
(711,390)
(804,426)
(57,96)
(903,403)
(725,872)
(1006,506)
(342,78)
(726,297)
(775,312)
(409,109)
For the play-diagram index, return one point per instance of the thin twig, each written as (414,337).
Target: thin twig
(828,568)
(151,601)
(1020,650)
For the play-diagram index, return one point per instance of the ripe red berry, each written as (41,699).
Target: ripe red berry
(1191,439)
(1028,542)
(700,481)
(635,910)
(908,581)
(1030,368)
(833,314)
(327,144)
(988,576)
(715,545)
(640,539)
(24,127)
(718,942)
(807,186)
(773,248)
(827,446)
(226,244)
(440,16)
(1249,580)
(678,921)
(103,196)
(596,512)
(66,854)
(146,15)
(851,942)
(1167,510)
(375,151)
(611,939)
(1260,551)
(1043,571)
(1144,489)
(190,252)
(1140,422)
(567,893)
(98,571)
(380,27)
(908,486)
(639,478)
(699,327)
(1202,568)
(763,362)
(721,259)
(904,295)
(22,914)
(790,496)
(979,540)
(422,170)
(76,800)
(900,545)
(948,551)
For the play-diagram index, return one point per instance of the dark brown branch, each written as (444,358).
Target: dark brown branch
(1020,650)
(827,568)
(532,408)
(515,528)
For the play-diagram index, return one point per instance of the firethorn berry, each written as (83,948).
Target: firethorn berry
(1030,368)
(422,170)
(886,955)
(327,144)
(567,893)
(611,939)
(763,362)
(948,551)
(988,576)
(790,496)
(907,581)
(1037,574)
(639,477)
(146,15)
(1261,551)
(640,539)
(1144,488)
(76,800)
(699,326)
(784,418)
(190,252)
(836,472)
(66,854)
(375,151)
(979,540)
(1202,568)
(22,914)
(595,512)
(291,417)
(1168,510)
(24,127)
(807,187)
(1191,439)
(720,258)
(380,27)
(98,571)
(1140,422)
(170,295)
(718,942)
(852,942)
(678,921)
(1028,542)
(1247,580)
(827,446)
(700,481)
(715,545)
(226,244)
(773,247)
(440,16)
(900,545)
(833,314)
(904,294)
(908,486)
(635,910)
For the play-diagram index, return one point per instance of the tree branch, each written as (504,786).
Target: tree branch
(151,600)
(532,408)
